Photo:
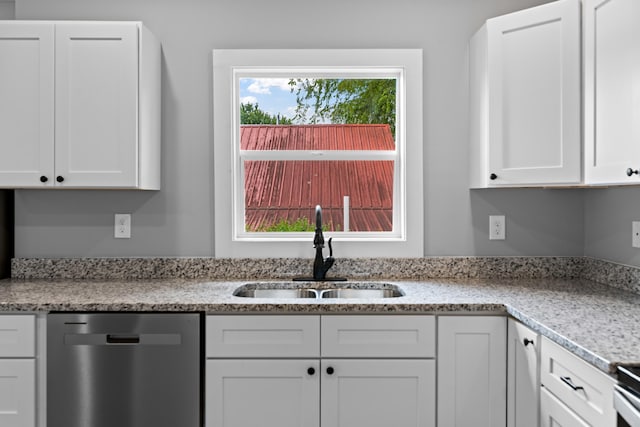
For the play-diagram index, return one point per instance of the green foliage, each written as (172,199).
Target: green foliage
(251,114)
(298,225)
(284,225)
(347,101)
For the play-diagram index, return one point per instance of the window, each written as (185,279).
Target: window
(273,167)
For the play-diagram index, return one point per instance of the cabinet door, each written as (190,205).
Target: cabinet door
(96,104)
(523,376)
(612,66)
(471,371)
(262,393)
(17,393)
(26,104)
(554,413)
(534,95)
(378,393)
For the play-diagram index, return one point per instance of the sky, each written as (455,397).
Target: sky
(273,95)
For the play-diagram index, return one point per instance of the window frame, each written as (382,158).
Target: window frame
(231,65)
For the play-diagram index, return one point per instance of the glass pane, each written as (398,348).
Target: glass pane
(281,195)
(317,114)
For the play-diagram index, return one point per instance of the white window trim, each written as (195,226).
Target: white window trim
(228,65)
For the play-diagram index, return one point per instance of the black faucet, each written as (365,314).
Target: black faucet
(321,265)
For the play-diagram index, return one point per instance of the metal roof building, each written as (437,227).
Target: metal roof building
(276,189)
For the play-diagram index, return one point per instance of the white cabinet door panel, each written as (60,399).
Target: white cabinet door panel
(471,371)
(26,104)
(96,104)
(612,90)
(262,393)
(523,376)
(378,393)
(534,102)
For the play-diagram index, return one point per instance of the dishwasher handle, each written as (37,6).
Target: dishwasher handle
(123,339)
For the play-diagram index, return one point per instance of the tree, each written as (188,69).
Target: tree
(251,114)
(349,101)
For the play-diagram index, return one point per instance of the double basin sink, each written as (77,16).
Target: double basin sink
(318,290)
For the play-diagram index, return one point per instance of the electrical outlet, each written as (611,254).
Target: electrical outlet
(635,234)
(122,226)
(496,227)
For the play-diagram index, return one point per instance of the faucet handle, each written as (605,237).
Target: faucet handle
(330,248)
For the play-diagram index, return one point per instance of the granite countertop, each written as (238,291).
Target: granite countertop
(596,322)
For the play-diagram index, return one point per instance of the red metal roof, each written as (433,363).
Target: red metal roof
(316,137)
(276,190)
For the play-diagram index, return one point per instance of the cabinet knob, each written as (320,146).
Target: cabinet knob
(493,176)
(311,371)
(527,341)
(59,178)
(330,370)
(632,172)
(44,179)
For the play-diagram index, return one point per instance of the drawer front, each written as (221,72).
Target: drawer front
(580,386)
(17,335)
(17,393)
(378,336)
(554,413)
(262,336)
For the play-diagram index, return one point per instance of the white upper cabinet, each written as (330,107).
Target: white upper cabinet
(26,103)
(525,98)
(82,111)
(612,85)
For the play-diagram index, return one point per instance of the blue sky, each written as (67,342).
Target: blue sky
(273,95)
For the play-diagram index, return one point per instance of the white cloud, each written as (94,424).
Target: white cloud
(248,100)
(263,86)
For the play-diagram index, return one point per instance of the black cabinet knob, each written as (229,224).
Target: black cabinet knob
(632,172)
(311,371)
(330,370)
(44,179)
(59,178)
(527,341)
(493,176)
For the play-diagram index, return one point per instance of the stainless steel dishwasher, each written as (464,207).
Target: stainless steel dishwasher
(124,370)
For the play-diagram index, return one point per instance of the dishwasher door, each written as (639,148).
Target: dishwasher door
(123,370)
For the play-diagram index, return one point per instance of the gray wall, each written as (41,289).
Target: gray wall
(7,9)
(607,229)
(178,220)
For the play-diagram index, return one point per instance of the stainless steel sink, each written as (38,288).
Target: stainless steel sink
(361,293)
(275,293)
(318,290)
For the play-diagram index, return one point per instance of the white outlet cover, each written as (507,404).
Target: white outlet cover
(635,236)
(497,227)
(122,226)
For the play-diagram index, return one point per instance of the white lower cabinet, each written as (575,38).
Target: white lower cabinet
(472,366)
(17,371)
(361,377)
(523,376)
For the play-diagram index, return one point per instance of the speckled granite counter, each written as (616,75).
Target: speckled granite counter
(597,322)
